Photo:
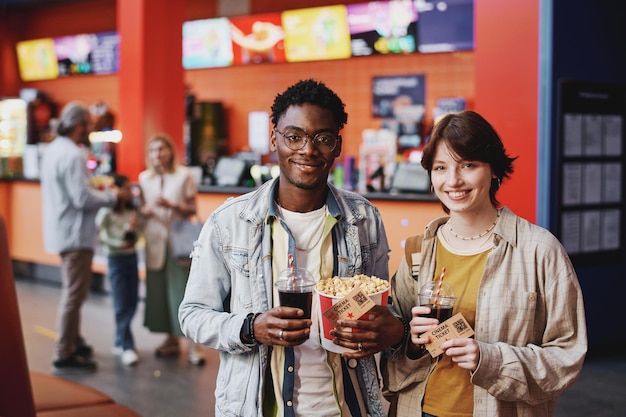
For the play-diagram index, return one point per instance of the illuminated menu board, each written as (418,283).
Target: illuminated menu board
(73,54)
(207,43)
(105,55)
(316,34)
(87,54)
(445,26)
(383,27)
(307,34)
(36,60)
(257,39)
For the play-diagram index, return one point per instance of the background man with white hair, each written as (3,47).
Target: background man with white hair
(70,203)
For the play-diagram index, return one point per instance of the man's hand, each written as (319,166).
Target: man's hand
(368,337)
(282,326)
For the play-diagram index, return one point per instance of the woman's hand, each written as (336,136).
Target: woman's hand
(464,352)
(419,325)
(164,202)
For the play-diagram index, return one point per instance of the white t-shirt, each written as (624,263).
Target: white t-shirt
(316,396)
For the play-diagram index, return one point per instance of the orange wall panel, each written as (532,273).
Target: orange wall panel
(26,237)
(5,206)
(403,219)
(20,203)
(507,79)
(243,89)
(85,88)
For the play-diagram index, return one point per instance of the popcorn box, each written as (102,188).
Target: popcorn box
(326,302)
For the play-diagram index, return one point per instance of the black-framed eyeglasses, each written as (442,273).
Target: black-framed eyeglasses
(296,139)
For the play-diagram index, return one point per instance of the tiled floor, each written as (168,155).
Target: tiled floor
(174,388)
(169,387)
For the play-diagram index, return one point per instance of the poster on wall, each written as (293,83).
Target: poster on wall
(316,34)
(36,59)
(398,96)
(382,27)
(257,39)
(207,43)
(591,168)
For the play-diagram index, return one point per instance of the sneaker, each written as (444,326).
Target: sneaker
(196,357)
(168,348)
(130,357)
(74,363)
(84,351)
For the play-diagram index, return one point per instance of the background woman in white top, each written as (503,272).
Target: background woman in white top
(168,193)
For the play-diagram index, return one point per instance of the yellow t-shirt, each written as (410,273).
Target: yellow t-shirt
(449,392)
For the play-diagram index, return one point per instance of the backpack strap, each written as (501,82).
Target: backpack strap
(412,252)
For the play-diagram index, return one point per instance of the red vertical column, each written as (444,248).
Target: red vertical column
(507,90)
(151,78)
(9,76)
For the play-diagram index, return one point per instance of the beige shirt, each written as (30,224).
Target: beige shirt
(530,325)
(177,187)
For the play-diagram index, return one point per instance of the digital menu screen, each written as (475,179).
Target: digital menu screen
(87,53)
(383,27)
(207,43)
(316,34)
(105,54)
(445,26)
(74,54)
(257,39)
(36,59)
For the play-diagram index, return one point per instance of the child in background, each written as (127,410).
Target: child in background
(118,231)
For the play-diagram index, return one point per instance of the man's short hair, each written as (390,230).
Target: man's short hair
(72,115)
(313,92)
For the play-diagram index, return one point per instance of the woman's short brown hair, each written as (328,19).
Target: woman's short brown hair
(470,137)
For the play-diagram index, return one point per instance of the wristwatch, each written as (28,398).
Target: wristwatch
(247,330)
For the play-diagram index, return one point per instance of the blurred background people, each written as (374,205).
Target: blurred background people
(168,193)
(70,203)
(118,230)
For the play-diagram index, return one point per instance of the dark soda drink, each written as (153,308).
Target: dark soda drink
(439,312)
(301,300)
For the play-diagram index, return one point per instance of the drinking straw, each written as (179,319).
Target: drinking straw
(293,273)
(443,272)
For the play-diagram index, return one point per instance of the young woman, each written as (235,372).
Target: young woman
(514,283)
(168,193)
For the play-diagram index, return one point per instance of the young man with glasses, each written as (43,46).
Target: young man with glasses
(271,363)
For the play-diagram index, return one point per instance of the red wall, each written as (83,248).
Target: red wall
(507,88)
(499,79)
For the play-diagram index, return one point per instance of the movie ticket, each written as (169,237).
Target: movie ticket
(453,328)
(351,307)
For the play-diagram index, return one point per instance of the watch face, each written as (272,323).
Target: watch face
(247,330)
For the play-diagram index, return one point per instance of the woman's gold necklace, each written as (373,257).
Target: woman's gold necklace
(478,236)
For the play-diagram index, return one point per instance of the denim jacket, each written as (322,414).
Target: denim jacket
(231,276)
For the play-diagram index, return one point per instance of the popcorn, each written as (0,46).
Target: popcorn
(339,287)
